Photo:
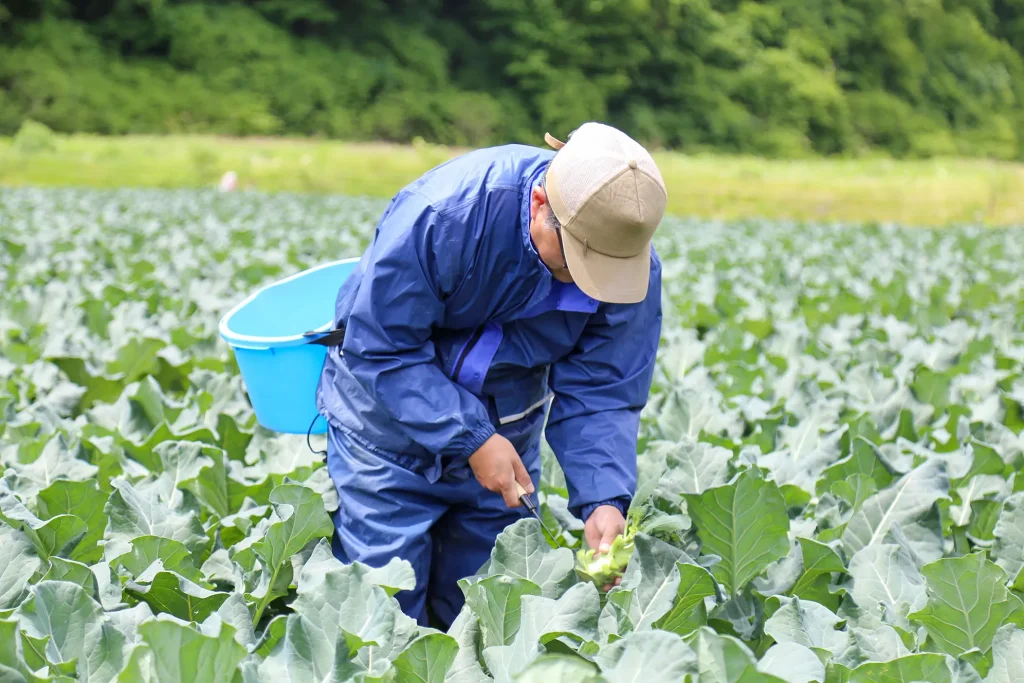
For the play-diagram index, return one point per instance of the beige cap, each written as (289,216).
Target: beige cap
(606,191)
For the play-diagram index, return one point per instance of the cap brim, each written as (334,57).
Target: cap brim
(607,278)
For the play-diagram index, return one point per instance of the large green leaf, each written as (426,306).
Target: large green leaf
(55,463)
(18,564)
(791,662)
(173,652)
(967,603)
(720,658)
(808,624)
(906,501)
(653,657)
(689,467)
(84,500)
(397,575)
(1007,655)
(55,536)
(467,667)
(745,524)
(145,550)
(885,581)
(198,468)
(522,551)
(574,614)
(1009,536)
(298,519)
(933,668)
(337,607)
(426,659)
(73,572)
(496,602)
(562,668)
(688,612)
(863,460)
(73,630)
(818,563)
(133,513)
(167,591)
(652,583)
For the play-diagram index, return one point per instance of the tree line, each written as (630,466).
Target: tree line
(785,78)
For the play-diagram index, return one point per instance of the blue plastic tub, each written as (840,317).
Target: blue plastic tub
(279,365)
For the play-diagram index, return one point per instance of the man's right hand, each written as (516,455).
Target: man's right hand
(498,467)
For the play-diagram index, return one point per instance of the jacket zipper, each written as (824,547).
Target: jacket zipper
(465,352)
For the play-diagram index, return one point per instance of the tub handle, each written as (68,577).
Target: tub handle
(333,337)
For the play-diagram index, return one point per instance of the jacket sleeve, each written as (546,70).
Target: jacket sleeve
(413,263)
(599,391)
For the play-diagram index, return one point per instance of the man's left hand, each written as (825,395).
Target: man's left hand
(603,525)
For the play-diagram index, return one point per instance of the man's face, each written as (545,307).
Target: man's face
(546,241)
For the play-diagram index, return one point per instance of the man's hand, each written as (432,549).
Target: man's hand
(498,467)
(603,525)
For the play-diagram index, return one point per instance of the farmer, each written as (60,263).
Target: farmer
(498,282)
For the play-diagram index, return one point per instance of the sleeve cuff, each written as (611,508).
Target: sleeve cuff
(478,438)
(622,504)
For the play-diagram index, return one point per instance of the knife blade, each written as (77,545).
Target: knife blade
(524,498)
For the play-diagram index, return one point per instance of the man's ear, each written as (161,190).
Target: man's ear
(538,198)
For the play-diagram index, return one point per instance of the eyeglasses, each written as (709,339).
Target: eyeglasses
(561,245)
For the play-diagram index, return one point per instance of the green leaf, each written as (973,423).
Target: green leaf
(133,513)
(426,659)
(174,594)
(561,668)
(334,599)
(397,575)
(689,467)
(932,668)
(745,524)
(56,536)
(19,562)
(543,619)
(1007,655)
(299,518)
(13,668)
(885,579)
(173,652)
(863,460)
(521,551)
(84,500)
(967,603)
(74,572)
(1008,550)
(984,517)
(145,550)
(808,624)
(195,467)
(496,602)
(792,663)
(127,621)
(467,667)
(908,500)
(72,626)
(653,572)
(688,612)
(820,562)
(55,463)
(654,657)
(720,658)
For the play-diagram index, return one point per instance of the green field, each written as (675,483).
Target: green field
(830,468)
(928,193)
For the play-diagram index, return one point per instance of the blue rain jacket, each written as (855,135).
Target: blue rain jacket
(456,330)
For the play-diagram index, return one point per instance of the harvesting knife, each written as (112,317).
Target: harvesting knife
(524,498)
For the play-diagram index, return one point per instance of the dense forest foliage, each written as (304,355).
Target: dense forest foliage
(771,77)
